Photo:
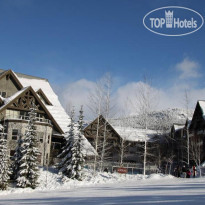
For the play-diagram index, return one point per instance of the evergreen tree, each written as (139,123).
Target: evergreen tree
(4,160)
(65,165)
(78,156)
(28,170)
(16,158)
(72,156)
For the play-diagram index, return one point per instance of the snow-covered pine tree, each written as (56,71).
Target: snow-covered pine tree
(4,160)
(16,158)
(28,170)
(77,151)
(65,165)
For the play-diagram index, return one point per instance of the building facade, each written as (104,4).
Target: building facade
(19,93)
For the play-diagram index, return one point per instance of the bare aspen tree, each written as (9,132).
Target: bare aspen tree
(124,145)
(100,105)
(96,102)
(145,102)
(187,101)
(107,100)
(196,148)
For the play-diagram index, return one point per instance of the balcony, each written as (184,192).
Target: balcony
(23,117)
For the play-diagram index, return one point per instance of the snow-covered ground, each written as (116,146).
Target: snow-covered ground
(107,189)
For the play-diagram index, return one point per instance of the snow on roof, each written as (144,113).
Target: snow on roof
(1,98)
(56,109)
(202,105)
(9,99)
(133,134)
(189,120)
(88,149)
(1,127)
(178,127)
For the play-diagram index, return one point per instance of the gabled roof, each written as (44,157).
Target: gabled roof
(178,126)
(56,109)
(10,72)
(202,106)
(188,122)
(135,134)
(129,133)
(42,94)
(101,117)
(1,100)
(10,100)
(198,118)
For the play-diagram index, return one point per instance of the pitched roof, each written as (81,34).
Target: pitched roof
(10,100)
(88,149)
(42,94)
(56,109)
(202,106)
(178,126)
(129,133)
(10,72)
(135,134)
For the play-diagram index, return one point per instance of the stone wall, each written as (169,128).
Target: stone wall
(44,134)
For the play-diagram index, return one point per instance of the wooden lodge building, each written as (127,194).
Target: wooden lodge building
(196,133)
(177,144)
(18,92)
(123,144)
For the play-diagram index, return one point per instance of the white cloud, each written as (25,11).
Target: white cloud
(188,69)
(172,97)
(126,96)
(78,93)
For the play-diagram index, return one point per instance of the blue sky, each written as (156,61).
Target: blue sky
(70,40)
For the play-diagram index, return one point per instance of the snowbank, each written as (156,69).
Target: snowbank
(51,180)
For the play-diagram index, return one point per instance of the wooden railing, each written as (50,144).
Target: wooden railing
(23,117)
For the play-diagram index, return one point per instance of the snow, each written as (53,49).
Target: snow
(56,108)
(202,105)
(134,134)
(51,180)
(9,99)
(178,127)
(106,188)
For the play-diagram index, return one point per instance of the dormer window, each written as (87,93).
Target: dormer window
(43,97)
(3,94)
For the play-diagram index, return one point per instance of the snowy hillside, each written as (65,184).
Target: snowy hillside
(163,118)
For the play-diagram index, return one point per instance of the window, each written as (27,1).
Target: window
(48,139)
(56,145)
(40,135)
(39,157)
(24,115)
(40,117)
(14,134)
(47,158)
(12,114)
(3,94)
(12,153)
